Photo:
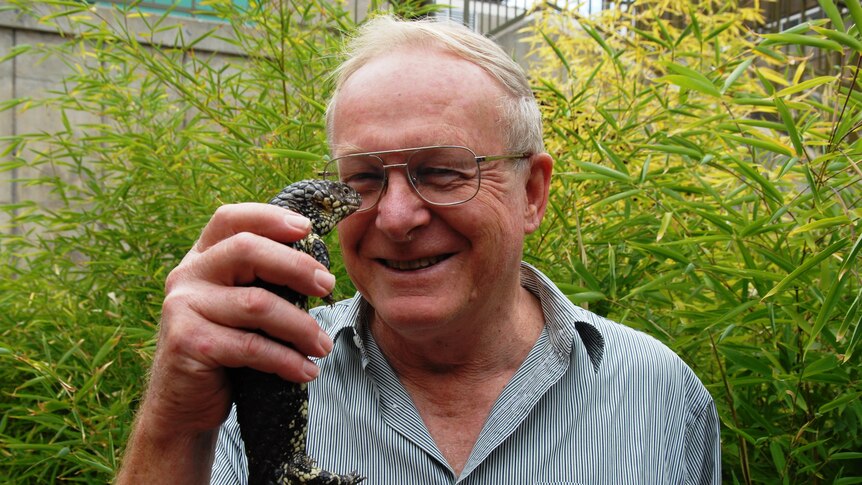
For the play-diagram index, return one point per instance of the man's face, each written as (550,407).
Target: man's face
(426,269)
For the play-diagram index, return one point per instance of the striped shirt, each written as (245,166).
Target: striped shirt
(594,402)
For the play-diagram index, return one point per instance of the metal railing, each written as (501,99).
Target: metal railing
(494,17)
(488,17)
(193,8)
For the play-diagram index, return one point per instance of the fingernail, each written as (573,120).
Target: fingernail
(297,221)
(325,342)
(310,369)
(324,279)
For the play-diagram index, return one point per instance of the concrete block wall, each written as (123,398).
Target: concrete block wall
(29,76)
(34,76)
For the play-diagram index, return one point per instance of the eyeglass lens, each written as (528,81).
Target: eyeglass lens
(440,175)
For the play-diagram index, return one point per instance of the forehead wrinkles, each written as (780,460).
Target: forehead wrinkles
(447,94)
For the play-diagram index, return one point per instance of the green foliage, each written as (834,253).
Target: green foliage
(155,133)
(708,191)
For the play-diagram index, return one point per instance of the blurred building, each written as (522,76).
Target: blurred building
(499,19)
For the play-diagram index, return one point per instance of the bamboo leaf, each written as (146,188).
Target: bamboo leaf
(665,223)
(811,83)
(651,38)
(779,460)
(613,157)
(851,315)
(790,124)
(610,120)
(15,51)
(654,283)
(661,26)
(827,363)
(606,172)
(604,45)
(718,220)
(695,25)
(771,53)
(736,311)
(855,12)
(557,51)
(820,224)
(741,68)
(745,101)
(791,162)
(828,306)
(661,251)
(747,360)
(851,258)
(703,83)
(589,279)
(551,86)
(295,154)
(616,197)
(771,145)
(846,455)
(105,349)
(644,169)
(744,273)
(807,40)
(585,297)
(832,12)
(320,107)
(673,149)
(840,401)
(803,27)
(813,186)
(806,265)
(721,28)
(841,37)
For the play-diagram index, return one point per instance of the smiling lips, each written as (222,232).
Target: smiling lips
(414,264)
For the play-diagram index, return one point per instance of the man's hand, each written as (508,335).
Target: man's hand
(208,316)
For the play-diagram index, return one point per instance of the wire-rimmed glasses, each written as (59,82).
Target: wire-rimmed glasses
(442,175)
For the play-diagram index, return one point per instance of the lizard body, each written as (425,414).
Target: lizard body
(273,413)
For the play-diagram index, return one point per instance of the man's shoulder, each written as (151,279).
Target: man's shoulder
(630,350)
(609,344)
(627,339)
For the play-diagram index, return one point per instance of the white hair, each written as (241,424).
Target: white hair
(519,113)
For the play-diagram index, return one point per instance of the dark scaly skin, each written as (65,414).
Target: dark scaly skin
(273,413)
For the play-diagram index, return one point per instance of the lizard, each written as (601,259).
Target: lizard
(273,413)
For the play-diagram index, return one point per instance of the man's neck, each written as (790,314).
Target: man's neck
(455,381)
(485,344)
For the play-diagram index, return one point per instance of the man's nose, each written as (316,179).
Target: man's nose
(400,210)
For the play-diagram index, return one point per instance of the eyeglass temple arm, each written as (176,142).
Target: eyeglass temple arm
(514,156)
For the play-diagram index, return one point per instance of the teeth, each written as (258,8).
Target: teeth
(414,264)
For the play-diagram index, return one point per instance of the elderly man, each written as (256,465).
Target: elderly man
(455,362)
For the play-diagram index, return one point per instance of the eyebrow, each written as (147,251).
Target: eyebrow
(351,149)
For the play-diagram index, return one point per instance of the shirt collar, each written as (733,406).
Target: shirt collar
(564,320)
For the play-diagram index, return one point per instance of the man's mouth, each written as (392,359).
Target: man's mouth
(414,264)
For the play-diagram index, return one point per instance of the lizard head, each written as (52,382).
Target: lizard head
(324,202)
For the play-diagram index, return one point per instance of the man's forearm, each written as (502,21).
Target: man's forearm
(153,456)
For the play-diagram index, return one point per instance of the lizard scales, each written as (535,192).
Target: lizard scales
(273,413)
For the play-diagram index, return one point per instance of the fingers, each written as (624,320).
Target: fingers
(242,242)
(245,257)
(212,314)
(249,308)
(212,318)
(266,220)
(190,337)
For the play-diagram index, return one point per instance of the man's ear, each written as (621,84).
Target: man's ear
(537,184)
